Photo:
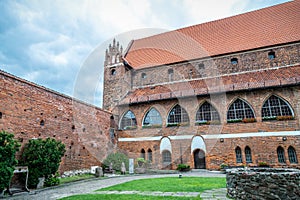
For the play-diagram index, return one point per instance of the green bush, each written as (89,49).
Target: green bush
(224,166)
(52,180)
(116,159)
(183,167)
(8,149)
(42,158)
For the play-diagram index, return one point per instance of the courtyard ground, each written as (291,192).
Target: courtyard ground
(89,186)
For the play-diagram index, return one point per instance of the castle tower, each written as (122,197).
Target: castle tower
(117,77)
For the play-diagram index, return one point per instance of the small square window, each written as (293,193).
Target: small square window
(234,61)
(271,55)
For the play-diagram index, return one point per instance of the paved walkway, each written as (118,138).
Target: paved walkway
(89,186)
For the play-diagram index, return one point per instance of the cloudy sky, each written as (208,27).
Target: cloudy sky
(60,44)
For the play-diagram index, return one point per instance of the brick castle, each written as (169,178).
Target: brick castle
(225,91)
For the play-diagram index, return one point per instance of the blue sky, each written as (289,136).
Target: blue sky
(60,44)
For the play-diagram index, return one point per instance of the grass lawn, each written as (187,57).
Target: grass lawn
(76,178)
(170,184)
(124,197)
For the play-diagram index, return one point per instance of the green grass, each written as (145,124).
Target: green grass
(171,184)
(125,197)
(76,178)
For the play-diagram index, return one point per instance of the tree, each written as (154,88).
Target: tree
(8,148)
(43,158)
(116,159)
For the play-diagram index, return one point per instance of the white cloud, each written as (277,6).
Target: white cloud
(48,41)
(198,11)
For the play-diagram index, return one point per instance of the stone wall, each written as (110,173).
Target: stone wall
(265,183)
(31,111)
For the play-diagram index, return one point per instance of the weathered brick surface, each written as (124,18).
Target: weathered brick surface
(263,148)
(220,65)
(84,129)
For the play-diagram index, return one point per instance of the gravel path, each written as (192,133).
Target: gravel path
(89,186)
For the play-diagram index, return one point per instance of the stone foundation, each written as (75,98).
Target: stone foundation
(263,183)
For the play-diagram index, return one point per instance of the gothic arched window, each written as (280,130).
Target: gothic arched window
(143,154)
(171,74)
(207,113)
(238,155)
(292,155)
(152,118)
(149,155)
(178,115)
(275,107)
(280,155)
(248,155)
(166,157)
(128,120)
(239,110)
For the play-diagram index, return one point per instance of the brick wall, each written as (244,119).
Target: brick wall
(31,111)
(220,65)
(263,148)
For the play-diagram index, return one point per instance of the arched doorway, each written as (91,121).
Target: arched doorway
(199,159)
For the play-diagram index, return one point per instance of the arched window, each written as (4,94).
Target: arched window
(274,107)
(238,155)
(271,55)
(171,74)
(152,118)
(234,61)
(280,155)
(143,154)
(207,113)
(113,72)
(128,121)
(248,155)
(178,115)
(191,73)
(292,155)
(149,155)
(166,157)
(144,75)
(239,110)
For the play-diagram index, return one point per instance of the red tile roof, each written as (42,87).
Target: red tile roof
(244,81)
(265,27)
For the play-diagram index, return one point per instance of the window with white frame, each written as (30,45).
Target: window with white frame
(206,113)
(128,120)
(239,110)
(178,115)
(152,118)
(274,107)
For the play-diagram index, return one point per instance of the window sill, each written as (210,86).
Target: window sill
(128,128)
(207,123)
(152,126)
(178,124)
